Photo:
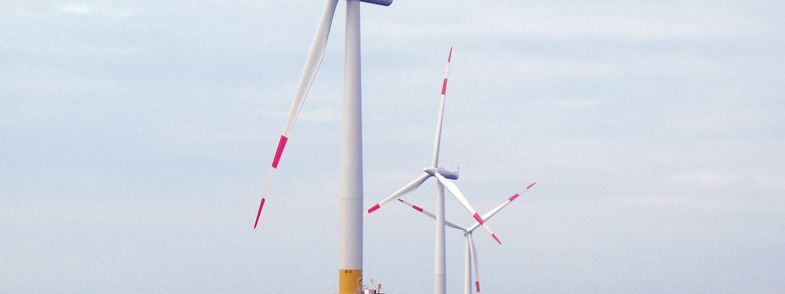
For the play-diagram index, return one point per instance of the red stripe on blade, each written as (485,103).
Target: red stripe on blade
(530,185)
(449,57)
(373,208)
(258,213)
(417,208)
(279,151)
(497,239)
(479,218)
(514,196)
(444,87)
(477,283)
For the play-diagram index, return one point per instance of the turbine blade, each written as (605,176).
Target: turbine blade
(456,192)
(311,67)
(406,189)
(259,212)
(265,190)
(431,215)
(509,200)
(437,137)
(312,63)
(487,216)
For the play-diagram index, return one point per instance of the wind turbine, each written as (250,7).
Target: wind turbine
(350,268)
(442,176)
(471,249)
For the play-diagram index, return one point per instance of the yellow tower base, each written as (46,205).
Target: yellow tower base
(350,281)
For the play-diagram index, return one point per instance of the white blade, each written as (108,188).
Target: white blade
(428,213)
(465,203)
(509,200)
(437,137)
(406,189)
(496,210)
(474,262)
(312,62)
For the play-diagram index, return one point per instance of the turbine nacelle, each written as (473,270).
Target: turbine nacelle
(452,175)
(378,2)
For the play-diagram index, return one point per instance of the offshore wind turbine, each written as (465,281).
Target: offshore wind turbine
(351,198)
(471,249)
(442,176)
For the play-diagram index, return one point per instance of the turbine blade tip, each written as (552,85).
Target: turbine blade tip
(259,213)
(497,239)
(477,283)
(374,208)
(531,185)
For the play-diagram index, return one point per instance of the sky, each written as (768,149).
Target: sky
(136,136)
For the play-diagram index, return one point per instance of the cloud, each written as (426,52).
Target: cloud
(731,179)
(577,103)
(83,9)
(627,114)
(630,21)
(75,8)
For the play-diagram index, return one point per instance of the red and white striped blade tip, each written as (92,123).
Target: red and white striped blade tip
(444,87)
(279,151)
(530,185)
(497,239)
(477,283)
(374,208)
(479,218)
(258,213)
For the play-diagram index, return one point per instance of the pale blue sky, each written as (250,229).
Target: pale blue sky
(136,136)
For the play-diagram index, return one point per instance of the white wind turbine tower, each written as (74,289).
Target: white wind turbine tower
(471,249)
(351,261)
(442,176)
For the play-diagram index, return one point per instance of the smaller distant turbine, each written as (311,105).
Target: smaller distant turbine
(471,250)
(441,175)
(443,178)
